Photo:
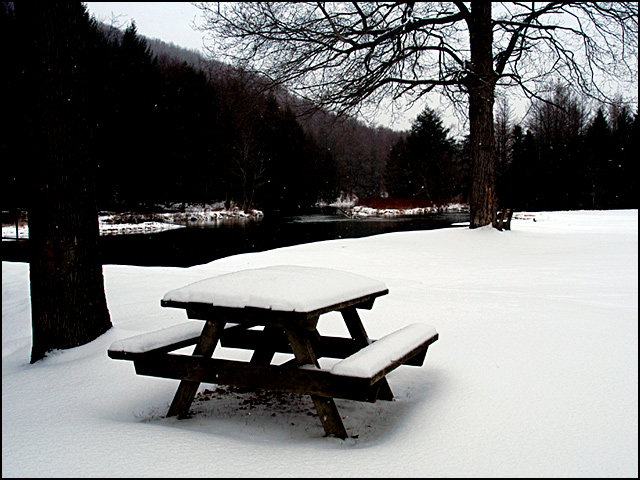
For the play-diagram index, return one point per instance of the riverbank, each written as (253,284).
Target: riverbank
(178,215)
(365,211)
(167,217)
(354,207)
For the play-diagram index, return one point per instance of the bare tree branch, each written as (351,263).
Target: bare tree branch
(399,49)
(344,56)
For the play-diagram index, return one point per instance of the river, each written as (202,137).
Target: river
(202,243)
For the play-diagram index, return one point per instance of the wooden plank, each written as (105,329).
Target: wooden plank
(253,316)
(355,326)
(277,378)
(188,389)
(264,316)
(330,347)
(264,352)
(255,339)
(329,416)
(120,355)
(178,335)
(301,346)
(359,334)
(507,225)
(382,373)
(365,302)
(159,341)
(422,347)
(300,341)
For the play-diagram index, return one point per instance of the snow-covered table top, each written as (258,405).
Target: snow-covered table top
(285,288)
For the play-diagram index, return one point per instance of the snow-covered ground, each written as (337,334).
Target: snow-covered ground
(535,372)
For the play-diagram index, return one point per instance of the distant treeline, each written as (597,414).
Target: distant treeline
(566,155)
(167,125)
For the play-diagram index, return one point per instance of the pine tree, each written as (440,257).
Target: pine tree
(419,167)
(624,155)
(14,171)
(522,177)
(135,120)
(598,160)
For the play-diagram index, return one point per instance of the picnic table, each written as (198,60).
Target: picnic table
(287,302)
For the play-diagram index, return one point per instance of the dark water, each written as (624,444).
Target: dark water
(198,244)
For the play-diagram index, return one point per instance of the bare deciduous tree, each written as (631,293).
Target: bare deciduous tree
(503,129)
(249,165)
(344,55)
(244,105)
(558,117)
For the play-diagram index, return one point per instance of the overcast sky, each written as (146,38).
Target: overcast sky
(168,21)
(173,22)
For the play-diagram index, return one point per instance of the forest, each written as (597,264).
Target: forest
(167,125)
(564,156)
(568,155)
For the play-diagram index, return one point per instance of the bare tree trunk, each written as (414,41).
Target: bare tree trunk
(68,304)
(481,86)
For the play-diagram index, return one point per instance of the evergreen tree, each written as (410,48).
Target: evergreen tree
(624,155)
(12,136)
(419,166)
(521,183)
(191,136)
(598,161)
(558,124)
(138,88)
(396,181)
(289,183)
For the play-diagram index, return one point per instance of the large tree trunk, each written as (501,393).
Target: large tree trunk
(481,86)
(68,304)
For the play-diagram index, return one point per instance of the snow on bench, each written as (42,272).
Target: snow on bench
(380,357)
(170,338)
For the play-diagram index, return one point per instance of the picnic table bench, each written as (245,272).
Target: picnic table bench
(287,301)
(503,218)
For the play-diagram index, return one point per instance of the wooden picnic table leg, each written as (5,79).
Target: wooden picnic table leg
(326,407)
(187,389)
(264,354)
(359,334)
